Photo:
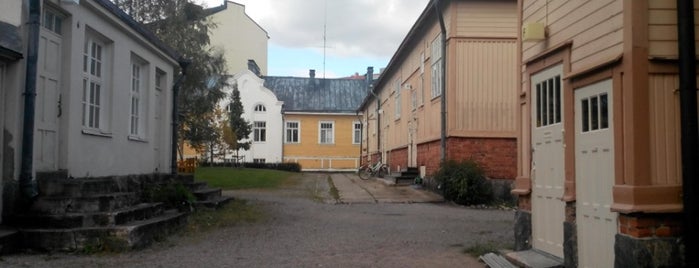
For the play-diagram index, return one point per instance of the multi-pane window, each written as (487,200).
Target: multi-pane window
(135,98)
(259,129)
(398,107)
(92,86)
(326,132)
(436,59)
(260,108)
(292,132)
(595,112)
(159,80)
(356,132)
(52,21)
(259,160)
(548,102)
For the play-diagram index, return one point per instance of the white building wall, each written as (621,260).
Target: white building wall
(112,152)
(252,93)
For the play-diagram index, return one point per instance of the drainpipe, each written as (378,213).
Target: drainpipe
(184,63)
(443,98)
(26,183)
(689,135)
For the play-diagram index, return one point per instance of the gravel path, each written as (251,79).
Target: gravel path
(305,228)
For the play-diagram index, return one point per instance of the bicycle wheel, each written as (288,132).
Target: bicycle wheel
(382,172)
(364,173)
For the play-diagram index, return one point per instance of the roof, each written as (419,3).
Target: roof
(301,94)
(139,28)
(10,42)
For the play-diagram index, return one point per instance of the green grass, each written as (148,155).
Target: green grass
(228,178)
(480,249)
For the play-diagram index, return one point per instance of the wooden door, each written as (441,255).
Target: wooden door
(47,101)
(548,210)
(594,175)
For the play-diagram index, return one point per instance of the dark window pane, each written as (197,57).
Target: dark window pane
(551,102)
(538,105)
(544,104)
(594,113)
(604,111)
(558,98)
(585,113)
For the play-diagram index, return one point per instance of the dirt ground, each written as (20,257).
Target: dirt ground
(306,226)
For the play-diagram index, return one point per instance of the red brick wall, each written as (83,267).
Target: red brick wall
(651,225)
(398,157)
(497,156)
(428,156)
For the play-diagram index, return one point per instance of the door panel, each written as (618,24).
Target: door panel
(48,90)
(594,174)
(548,210)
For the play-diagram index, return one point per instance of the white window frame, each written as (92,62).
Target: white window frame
(138,98)
(94,90)
(260,108)
(356,132)
(287,129)
(52,20)
(436,68)
(323,135)
(259,130)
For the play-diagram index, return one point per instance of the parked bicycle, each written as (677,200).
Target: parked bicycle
(367,171)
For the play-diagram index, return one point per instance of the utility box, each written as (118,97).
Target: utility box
(533,31)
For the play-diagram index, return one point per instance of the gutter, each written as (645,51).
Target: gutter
(26,183)
(689,133)
(443,106)
(184,63)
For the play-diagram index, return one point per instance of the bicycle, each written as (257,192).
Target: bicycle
(367,171)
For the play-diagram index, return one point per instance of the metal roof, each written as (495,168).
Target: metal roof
(301,94)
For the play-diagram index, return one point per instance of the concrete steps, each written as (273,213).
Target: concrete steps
(9,240)
(405,177)
(94,219)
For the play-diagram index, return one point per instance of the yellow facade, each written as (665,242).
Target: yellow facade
(341,154)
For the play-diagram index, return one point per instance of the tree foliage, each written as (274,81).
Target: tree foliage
(240,127)
(184,26)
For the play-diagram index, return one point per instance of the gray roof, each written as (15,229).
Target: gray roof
(301,94)
(10,42)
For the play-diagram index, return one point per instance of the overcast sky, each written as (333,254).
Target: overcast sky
(360,33)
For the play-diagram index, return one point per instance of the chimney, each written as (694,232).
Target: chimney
(312,73)
(252,66)
(369,76)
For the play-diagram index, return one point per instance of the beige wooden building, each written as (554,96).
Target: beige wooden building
(402,115)
(599,170)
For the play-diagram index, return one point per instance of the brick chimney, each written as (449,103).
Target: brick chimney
(312,73)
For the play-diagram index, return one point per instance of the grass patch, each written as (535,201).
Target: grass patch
(480,249)
(234,213)
(228,178)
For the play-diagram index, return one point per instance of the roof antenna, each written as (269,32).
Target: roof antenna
(325,32)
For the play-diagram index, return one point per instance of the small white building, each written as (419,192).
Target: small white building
(263,111)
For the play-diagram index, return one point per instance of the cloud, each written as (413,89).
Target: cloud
(357,28)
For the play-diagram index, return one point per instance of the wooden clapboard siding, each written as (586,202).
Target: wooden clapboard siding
(595,27)
(486,19)
(483,101)
(662,28)
(310,153)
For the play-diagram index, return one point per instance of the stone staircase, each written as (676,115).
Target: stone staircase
(103,213)
(404,177)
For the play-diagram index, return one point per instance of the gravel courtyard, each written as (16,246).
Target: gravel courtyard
(306,226)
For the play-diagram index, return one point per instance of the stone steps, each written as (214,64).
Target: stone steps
(9,240)
(84,203)
(131,235)
(76,220)
(405,177)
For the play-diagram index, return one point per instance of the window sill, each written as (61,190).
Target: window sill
(137,139)
(326,144)
(436,98)
(96,132)
(292,143)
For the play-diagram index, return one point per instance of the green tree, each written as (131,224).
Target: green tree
(184,26)
(241,127)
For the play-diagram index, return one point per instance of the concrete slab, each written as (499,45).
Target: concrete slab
(534,259)
(355,190)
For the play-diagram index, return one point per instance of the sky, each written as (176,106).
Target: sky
(359,33)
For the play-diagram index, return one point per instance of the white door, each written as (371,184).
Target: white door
(47,101)
(548,210)
(412,147)
(594,175)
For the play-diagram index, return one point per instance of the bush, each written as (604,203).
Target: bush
(292,167)
(173,195)
(464,183)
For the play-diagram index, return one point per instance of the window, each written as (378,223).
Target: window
(413,100)
(229,107)
(397,100)
(93,81)
(548,102)
(52,21)
(259,130)
(595,113)
(138,92)
(260,108)
(357,132)
(436,59)
(159,80)
(258,160)
(292,132)
(326,133)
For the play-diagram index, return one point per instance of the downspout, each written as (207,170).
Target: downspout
(184,63)
(443,98)
(26,183)
(690,134)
